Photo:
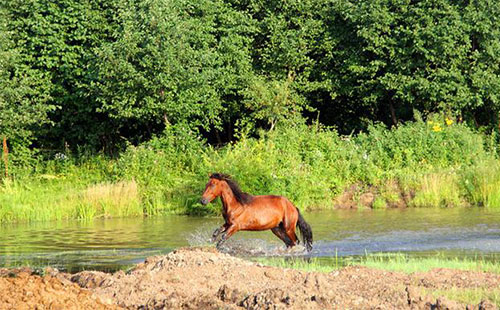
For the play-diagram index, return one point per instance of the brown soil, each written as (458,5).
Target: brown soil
(205,279)
(21,289)
(359,195)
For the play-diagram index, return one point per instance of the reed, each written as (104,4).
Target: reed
(60,199)
(481,184)
(438,189)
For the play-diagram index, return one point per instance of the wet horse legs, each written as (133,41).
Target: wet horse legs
(226,234)
(218,231)
(280,233)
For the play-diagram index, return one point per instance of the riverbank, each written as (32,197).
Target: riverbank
(194,278)
(414,165)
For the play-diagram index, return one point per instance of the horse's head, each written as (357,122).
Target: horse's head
(213,189)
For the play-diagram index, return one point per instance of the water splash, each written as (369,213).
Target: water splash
(201,236)
(242,246)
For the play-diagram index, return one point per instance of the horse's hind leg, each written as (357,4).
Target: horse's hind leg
(290,232)
(280,233)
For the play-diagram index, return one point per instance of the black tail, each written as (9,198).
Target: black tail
(305,231)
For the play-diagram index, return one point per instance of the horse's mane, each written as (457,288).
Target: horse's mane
(241,197)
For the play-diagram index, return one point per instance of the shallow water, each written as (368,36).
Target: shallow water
(110,244)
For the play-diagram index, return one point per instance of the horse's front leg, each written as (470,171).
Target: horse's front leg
(228,233)
(218,231)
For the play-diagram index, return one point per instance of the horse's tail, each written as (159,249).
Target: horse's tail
(305,231)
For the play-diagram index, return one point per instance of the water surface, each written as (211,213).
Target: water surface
(110,244)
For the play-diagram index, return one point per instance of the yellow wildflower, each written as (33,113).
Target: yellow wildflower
(436,128)
(449,121)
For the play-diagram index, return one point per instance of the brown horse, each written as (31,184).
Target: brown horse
(243,211)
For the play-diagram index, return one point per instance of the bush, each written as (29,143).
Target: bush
(443,164)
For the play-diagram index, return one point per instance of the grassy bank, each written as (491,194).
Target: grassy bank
(422,164)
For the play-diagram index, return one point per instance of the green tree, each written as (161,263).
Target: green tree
(273,101)
(20,110)
(56,41)
(174,61)
(393,56)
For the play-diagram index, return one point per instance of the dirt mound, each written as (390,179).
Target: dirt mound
(20,289)
(197,278)
(201,278)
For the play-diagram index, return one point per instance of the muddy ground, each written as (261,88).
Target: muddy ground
(196,278)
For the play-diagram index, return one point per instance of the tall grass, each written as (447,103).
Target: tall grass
(481,184)
(310,165)
(58,199)
(110,199)
(438,189)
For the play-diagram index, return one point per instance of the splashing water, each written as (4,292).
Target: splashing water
(242,246)
(201,236)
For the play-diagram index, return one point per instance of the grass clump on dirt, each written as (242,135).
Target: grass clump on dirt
(466,295)
(309,264)
(408,264)
(386,261)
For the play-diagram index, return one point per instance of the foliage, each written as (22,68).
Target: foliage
(311,165)
(175,89)
(55,41)
(173,61)
(20,108)
(273,101)
(120,70)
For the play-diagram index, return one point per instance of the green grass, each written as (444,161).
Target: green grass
(386,261)
(56,199)
(310,165)
(312,264)
(408,264)
(404,263)
(468,296)
(481,184)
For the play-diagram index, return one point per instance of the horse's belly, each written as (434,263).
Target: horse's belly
(261,220)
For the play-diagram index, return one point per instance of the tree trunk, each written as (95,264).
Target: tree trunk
(393,114)
(6,156)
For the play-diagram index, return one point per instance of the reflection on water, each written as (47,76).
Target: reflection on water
(108,244)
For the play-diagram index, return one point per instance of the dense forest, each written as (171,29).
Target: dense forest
(98,75)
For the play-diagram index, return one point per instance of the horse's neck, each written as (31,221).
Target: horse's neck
(229,202)
(224,208)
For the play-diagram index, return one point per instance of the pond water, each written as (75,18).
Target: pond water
(111,244)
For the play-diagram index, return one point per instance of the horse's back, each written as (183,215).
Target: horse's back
(270,201)
(275,204)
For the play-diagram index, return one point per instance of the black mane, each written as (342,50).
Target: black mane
(241,197)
